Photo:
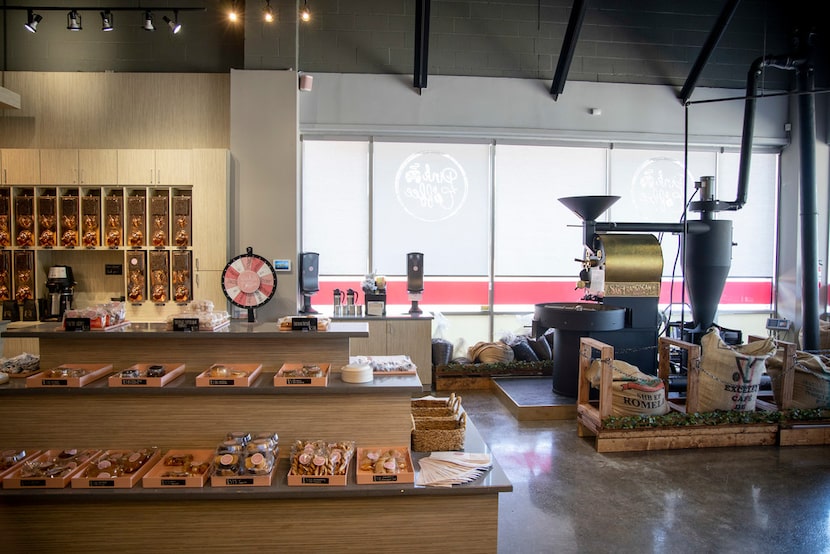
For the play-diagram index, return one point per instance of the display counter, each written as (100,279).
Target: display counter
(184,415)
(239,342)
(400,517)
(391,335)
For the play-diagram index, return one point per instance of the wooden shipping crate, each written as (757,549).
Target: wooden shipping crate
(592,413)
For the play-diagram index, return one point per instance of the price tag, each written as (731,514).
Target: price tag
(186,324)
(76,324)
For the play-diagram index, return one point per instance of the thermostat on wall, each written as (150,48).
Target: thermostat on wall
(282,265)
(778,324)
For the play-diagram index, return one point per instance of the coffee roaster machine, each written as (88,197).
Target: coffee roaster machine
(621,275)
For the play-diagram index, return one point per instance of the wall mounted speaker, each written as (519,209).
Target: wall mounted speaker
(415,272)
(309,272)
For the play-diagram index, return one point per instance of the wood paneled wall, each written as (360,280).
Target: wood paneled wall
(117,110)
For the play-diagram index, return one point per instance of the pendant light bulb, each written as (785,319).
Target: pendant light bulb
(106,21)
(305,14)
(148,21)
(73,21)
(32,20)
(268,12)
(233,14)
(174,24)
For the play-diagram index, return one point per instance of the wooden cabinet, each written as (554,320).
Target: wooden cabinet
(395,336)
(210,208)
(155,167)
(20,166)
(66,166)
(92,176)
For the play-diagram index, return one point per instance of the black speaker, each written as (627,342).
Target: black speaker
(309,282)
(415,272)
(309,272)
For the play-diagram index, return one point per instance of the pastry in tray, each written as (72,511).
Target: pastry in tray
(320,458)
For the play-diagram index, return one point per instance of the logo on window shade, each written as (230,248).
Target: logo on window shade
(658,184)
(431,186)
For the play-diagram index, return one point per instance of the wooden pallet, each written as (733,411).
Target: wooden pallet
(591,414)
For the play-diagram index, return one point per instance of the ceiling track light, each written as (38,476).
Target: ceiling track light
(268,12)
(305,13)
(174,24)
(73,21)
(32,20)
(106,21)
(148,21)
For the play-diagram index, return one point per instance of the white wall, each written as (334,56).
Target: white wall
(524,109)
(264,186)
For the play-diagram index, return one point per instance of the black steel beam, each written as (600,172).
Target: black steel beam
(711,42)
(563,65)
(421,44)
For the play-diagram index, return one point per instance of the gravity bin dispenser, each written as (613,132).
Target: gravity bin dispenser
(621,275)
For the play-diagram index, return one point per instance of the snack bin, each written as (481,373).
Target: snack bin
(76,461)
(402,472)
(89,478)
(12,458)
(143,375)
(63,376)
(305,473)
(180,468)
(236,375)
(292,375)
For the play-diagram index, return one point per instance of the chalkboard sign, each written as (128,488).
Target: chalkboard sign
(76,324)
(304,324)
(186,324)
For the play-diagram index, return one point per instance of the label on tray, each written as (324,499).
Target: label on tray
(55,382)
(102,483)
(315,480)
(380,478)
(133,381)
(221,381)
(298,381)
(173,482)
(240,481)
(186,324)
(33,482)
(76,324)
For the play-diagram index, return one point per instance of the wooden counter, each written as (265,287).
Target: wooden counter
(239,342)
(401,517)
(182,415)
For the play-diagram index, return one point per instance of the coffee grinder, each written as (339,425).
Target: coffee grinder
(61,286)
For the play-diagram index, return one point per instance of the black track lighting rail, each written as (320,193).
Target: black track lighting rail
(103,8)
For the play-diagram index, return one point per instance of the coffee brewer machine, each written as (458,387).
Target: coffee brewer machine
(60,285)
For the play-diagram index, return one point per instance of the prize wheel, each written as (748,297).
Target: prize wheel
(249,281)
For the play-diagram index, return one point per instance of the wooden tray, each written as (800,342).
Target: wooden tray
(245,480)
(163,475)
(79,481)
(367,477)
(15,452)
(250,371)
(283,380)
(46,378)
(172,371)
(14,480)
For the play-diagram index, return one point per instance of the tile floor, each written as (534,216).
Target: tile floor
(568,498)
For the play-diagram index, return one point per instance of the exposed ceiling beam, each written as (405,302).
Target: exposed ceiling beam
(711,42)
(568,47)
(421,44)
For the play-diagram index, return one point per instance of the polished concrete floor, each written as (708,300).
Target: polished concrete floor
(568,498)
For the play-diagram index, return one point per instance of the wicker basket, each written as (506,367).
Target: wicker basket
(438,434)
(439,407)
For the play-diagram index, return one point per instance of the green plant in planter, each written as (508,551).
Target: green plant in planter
(495,368)
(680,419)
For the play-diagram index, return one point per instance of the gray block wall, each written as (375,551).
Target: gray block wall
(638,41)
